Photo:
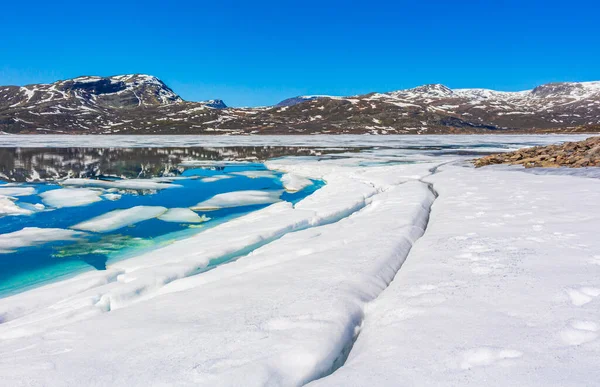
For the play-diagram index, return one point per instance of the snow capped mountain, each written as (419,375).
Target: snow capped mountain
(144,104)
(118,91)
(296,100)
(425,91)
(215,103)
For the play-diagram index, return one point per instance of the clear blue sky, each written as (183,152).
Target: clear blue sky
(252,53)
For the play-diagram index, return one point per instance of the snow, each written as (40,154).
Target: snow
(237,199)
(501,290)
(117,219)
(70,197)
(182,215)
(32,236)
(432,273)
(332,141)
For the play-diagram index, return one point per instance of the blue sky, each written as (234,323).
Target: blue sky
(252,53)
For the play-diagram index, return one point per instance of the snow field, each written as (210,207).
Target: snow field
(501,290)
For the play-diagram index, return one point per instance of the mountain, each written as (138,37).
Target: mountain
(143,104)
(295,100)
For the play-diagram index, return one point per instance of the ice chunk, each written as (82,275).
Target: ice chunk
(238,198)
(111,196)
(210,163)
(211,179)
(9,207)
(182,215)
(117,219)
(16,191)
(255,174)
(70,197)
(139,184)
(295,183)
(33,236)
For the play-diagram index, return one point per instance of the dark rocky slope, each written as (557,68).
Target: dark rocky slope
(142,104)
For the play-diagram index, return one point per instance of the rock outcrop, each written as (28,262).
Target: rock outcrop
(571,154)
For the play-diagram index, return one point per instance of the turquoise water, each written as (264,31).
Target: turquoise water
(28,267)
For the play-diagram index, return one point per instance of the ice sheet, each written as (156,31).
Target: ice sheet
(331,141)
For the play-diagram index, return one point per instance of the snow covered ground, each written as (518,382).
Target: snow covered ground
(430,273)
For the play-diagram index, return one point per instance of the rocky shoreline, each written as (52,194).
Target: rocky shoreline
(578,154)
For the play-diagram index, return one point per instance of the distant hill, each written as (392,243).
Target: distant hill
(143,104)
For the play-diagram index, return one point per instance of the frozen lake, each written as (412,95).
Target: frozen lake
(60,182)
(355,260)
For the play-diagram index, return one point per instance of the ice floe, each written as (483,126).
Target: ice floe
(132,184)
(32,236)
(117,219)
(492,292)
(214,178)
(16,190)
(182,215)
(295,183)
(70,197)
(111,196)
(9,207)
(237,199)
(255,174)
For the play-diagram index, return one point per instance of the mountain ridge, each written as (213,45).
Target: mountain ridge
(140,103)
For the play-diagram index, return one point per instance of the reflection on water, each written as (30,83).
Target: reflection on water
(34,164)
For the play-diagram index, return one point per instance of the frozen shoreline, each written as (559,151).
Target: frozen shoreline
(500,289)
(321,140)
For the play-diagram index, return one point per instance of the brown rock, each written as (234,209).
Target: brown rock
(571,154)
